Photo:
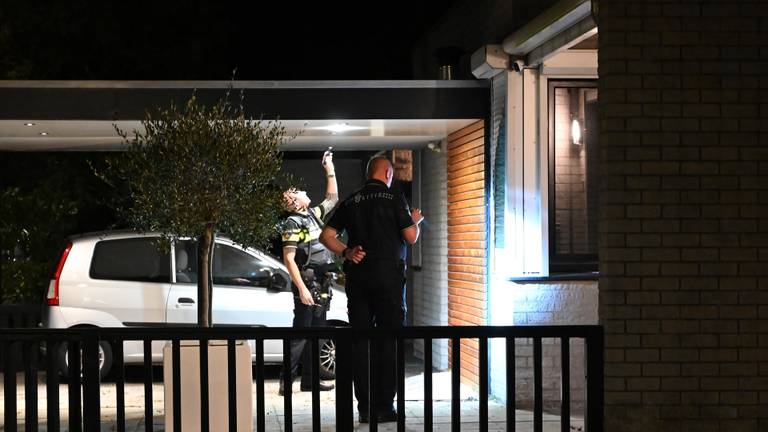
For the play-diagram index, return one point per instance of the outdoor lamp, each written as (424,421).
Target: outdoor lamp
(576,132)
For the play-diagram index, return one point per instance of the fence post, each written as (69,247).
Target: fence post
(91,382)
(30,385)
(344,368)
(594,411)
(9,386)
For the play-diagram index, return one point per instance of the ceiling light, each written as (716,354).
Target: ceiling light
(340,128)
(44,133)
(29,124)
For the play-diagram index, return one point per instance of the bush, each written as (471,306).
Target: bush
(24,281)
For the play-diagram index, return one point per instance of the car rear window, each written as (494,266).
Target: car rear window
(130,260)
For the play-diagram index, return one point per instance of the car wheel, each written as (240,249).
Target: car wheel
(327,359)
(105,359)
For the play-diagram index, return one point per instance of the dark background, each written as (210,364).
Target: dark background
(174,40)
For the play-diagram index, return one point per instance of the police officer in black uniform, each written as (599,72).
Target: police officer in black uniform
(307,261)
(379,225)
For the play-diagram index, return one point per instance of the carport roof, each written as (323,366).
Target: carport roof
(406,113)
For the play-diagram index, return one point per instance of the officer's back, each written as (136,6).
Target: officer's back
(375,216)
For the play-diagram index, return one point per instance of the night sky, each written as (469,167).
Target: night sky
(77,39)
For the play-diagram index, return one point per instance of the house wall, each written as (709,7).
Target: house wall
(431,281)
(525,247)
(467,238)
(563,303)
(683,286)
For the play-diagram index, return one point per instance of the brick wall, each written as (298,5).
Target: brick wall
(684,206)
(553,303)
(571,222)
(430,292)
(467,237)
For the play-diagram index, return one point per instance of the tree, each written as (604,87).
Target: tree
(44,198)
(195,171)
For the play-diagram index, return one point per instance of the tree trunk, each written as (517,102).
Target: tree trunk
(205,280)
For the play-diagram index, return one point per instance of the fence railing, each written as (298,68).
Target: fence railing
(85,341)
(20,315)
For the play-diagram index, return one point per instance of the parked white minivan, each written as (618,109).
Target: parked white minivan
(122,279)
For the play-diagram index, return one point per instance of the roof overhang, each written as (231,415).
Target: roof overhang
(387,114)
(563,25)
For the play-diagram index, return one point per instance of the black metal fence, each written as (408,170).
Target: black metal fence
(86,415)
(20,315)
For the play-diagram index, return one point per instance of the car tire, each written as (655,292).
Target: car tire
(105,359)
(327,359)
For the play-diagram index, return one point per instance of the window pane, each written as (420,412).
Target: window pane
(233,266)
(186,261)
(130,260)
(575,173)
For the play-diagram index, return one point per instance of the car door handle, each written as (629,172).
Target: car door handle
(186,300)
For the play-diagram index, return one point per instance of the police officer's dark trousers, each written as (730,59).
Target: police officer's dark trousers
(304,316)
(375,293)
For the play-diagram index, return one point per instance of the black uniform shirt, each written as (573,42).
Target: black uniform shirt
(374,218)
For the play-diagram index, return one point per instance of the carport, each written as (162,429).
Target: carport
(433,130)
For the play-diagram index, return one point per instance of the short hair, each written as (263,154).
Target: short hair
(290,199)
(375,163)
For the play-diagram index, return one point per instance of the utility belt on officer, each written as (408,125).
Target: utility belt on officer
(319,280)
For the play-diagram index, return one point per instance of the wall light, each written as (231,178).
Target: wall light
(575,132)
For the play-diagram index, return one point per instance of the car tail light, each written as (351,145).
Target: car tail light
(52,297)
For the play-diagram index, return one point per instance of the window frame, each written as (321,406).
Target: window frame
(562,263)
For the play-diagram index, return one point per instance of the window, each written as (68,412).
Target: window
(138,259)
(573,176)
(186,261)
(233,266)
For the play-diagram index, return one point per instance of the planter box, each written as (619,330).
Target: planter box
(218,399)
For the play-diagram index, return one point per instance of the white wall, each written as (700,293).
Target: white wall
(526,241)
(430,292)
(551,303)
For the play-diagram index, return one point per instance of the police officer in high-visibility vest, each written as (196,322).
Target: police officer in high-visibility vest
(379,225)
(307,261)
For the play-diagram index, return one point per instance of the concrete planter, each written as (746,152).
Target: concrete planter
(218,400)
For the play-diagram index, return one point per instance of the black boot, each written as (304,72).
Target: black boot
(281,390)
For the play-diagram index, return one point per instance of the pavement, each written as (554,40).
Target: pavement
(302,406)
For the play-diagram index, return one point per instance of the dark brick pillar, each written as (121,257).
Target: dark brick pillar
(684,214)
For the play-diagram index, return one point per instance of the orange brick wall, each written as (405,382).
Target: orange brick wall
(467,237)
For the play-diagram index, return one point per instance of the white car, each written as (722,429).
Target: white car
(122,279)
